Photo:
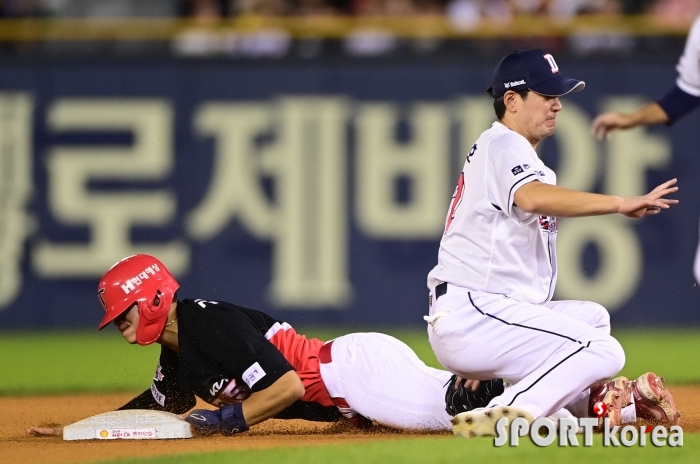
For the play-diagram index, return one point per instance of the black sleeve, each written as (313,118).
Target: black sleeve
(165,393)
(243,350)
(676,103)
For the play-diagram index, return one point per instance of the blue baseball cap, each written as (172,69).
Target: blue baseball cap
(535,70)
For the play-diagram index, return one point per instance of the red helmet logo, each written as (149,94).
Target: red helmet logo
(140,280)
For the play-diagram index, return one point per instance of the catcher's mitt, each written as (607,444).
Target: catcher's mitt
(461,399)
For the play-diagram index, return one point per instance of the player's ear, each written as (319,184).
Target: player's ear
(510,100)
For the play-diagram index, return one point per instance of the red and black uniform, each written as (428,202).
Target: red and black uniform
(226,352)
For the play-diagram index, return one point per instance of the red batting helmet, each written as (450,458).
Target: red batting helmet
(142,280)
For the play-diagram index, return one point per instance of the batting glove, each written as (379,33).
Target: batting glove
(228,420)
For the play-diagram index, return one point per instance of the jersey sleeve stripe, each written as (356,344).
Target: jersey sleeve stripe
(276,327)
(514,185)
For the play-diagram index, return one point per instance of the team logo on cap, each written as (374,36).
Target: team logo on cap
(514,83)
(552,63)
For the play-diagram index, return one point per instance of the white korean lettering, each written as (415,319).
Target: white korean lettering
(128,286)
(307,164)
(16,159)
(382,161)
(110,216)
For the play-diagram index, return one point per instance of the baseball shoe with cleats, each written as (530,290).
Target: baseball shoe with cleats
(653,402)
(482,421)
(616,394)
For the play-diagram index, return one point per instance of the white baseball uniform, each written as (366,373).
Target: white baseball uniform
(688,66)
(689,82)
(498,267)
(382,379)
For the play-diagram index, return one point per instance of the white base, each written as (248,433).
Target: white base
(132,424)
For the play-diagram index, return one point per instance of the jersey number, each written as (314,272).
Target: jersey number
(456,200)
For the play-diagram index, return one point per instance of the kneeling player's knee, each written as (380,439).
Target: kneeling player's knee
(612,357)
(599,316)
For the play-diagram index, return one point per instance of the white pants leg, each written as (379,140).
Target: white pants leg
(588,312)
(597,317)
(551,357)
(381,378)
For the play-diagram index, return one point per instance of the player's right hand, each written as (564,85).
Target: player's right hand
(607,122)
(650,204)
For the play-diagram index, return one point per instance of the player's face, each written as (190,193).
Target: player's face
(539,114)
(127,322)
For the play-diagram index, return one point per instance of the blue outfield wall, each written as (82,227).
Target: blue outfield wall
(315,191)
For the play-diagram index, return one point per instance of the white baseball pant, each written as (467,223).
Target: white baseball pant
(551,353)
(381,378)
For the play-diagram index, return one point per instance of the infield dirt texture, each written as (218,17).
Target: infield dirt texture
(21,413)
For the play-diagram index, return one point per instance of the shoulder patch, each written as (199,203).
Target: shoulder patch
(517,170)
(253,374)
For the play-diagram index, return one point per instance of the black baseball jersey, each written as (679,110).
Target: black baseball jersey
(226,352)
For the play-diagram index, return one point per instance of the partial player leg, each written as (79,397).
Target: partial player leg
(551,357)
(588,312)
(381,378)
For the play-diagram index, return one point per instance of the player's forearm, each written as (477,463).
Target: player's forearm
(276,398)
(647,115)
(551,200)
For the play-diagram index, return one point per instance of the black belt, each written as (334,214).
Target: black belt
(440,290)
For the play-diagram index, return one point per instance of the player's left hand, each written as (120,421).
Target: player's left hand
(204,421)
(45,431)
(472,385)
(608,122)
(650,204)
(225,420)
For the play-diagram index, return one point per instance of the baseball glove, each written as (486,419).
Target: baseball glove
(462,399)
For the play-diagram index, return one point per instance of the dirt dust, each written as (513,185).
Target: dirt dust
(21,413)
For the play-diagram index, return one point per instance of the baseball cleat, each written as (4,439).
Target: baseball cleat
(616,394)
(653,402)
(482,422)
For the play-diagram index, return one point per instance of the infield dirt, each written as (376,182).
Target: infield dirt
(16,445)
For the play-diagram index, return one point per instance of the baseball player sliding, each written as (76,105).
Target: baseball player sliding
(253,367)
(490,313)
(678,101)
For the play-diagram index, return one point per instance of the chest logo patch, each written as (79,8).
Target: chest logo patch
(231,394)
(253,374)
(548,224)
(217,386)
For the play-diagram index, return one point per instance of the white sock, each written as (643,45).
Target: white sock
(629,414)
